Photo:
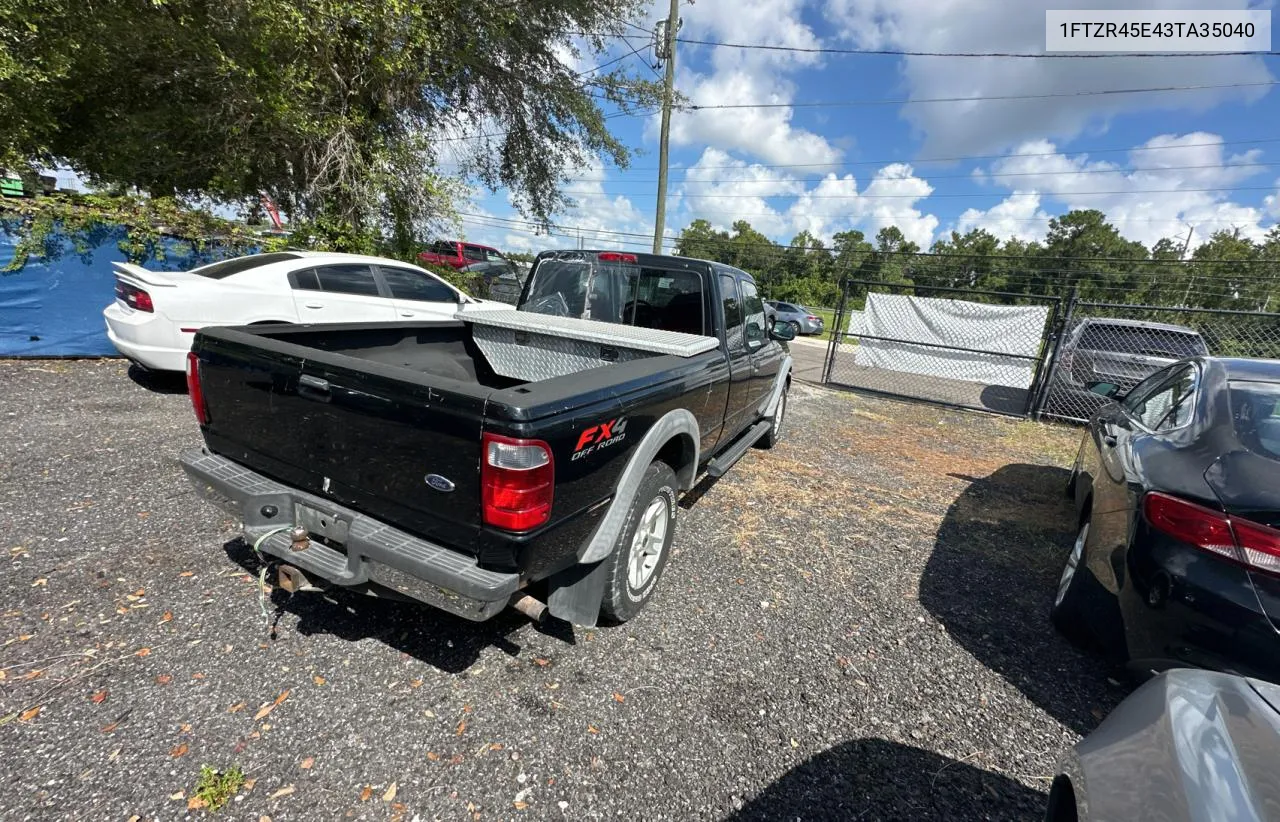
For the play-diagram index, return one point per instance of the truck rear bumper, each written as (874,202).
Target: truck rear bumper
(360,549)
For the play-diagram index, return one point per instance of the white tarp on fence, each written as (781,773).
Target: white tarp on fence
(929,321)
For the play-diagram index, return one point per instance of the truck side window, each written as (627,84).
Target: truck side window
(414,285)
(732,313)
(472,252)
(347,279)
(753,308)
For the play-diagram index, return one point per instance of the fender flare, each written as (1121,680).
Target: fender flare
(675,423)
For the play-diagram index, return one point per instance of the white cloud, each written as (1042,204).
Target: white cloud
(1183,184)
(746,76)
(600,218)
(719,186)
(984,26)
(1019,216)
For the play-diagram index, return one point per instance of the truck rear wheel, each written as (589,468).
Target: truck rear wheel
(644,545)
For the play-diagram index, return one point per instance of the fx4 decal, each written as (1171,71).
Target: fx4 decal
(600,436)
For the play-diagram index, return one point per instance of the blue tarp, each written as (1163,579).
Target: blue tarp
(52,306)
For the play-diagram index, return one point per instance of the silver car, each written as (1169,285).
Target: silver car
(801,319)
(1187,745)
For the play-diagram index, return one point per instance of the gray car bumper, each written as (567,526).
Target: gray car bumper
(360,549)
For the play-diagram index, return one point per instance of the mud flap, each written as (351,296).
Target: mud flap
(576,593)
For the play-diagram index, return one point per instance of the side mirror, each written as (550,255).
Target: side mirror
(1105,389)
(782,332)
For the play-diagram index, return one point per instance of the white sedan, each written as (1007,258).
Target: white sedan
(156,314)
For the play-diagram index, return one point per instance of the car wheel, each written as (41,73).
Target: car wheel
(795,328)
(644,546)
(1067,612)
(774,433)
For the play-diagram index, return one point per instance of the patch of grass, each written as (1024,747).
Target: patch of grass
(215,788)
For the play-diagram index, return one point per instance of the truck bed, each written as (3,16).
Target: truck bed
(361,414)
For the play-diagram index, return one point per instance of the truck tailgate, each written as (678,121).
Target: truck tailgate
(348,431)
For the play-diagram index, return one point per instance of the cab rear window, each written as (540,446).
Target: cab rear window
(619,292)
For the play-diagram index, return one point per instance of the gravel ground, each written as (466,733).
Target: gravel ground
(853,626)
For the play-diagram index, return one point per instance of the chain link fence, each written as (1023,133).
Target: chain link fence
(973,349)
(1121,345)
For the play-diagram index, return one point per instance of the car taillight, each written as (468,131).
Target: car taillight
(616,257)
(194,390)
(814,319)
(1259,544)
(1237,539)
(517,479)
(134,297)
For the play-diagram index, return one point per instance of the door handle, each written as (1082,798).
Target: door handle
(315,305)
(407,314)
(313,388)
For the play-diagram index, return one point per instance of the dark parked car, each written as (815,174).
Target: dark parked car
(1188,745)
(1177,487)
(459,464)
(1121,352)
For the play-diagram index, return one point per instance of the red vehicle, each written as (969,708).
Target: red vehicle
(457,254)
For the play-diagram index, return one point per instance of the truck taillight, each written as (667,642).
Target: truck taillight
(134,297)
(616,257)
(194,390)
(517,479)
(1234,538)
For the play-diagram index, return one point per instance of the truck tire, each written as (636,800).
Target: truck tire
(642,549)
(774,433)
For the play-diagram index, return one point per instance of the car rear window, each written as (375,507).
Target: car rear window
(1129,339)
(1255,412)
(618,292)
(218,271)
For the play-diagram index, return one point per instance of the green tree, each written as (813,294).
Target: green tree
(1083,250)
(341,110)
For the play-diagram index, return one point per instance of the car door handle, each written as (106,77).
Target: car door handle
(313,388)
(315,305)
(408,314)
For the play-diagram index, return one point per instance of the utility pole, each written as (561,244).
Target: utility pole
(665,46)
(1182,255)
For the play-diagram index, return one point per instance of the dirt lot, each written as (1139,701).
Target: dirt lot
(853,626)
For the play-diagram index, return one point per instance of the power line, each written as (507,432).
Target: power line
(1011,54)
(984,174)
(977,99)
(930,196)
(964,158)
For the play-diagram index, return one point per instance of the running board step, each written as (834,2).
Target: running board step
(721,464)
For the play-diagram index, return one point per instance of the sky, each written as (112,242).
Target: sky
(1159,164)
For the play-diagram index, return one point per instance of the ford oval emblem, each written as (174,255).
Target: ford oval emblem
(440,483)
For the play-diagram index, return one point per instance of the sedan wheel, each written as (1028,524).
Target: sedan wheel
(1073,562)
(1067,613)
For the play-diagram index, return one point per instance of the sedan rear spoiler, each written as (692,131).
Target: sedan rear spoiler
(142,275)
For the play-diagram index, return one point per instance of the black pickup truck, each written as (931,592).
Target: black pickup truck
(475,464)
